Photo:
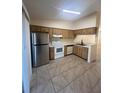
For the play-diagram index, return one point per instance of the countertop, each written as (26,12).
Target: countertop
(50,45)
(65,44)
(72,43)
(86,45)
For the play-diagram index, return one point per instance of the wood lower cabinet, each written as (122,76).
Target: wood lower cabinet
(84,52)
(75,50)
(65,50)
(80,51)
(51,53)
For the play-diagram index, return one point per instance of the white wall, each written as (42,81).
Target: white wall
(88,21)
(53,23)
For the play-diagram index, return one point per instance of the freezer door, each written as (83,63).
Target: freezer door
(40,38)
(40,55)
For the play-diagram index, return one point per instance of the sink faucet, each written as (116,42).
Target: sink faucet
(82,42)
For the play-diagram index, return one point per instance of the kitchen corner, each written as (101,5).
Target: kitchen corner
(86,51)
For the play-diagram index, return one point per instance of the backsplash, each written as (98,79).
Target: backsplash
(87,39)
(67,40)
(56,39)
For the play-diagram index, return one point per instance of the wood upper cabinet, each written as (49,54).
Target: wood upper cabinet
(44,29)
(68,34)
(65,34)
(39,28)
(57,31)
(34,28)
(50,34)
(85,31)
(77,32)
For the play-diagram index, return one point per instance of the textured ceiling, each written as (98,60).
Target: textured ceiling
(52,9)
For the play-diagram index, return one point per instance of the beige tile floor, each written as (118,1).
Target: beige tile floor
(69,74)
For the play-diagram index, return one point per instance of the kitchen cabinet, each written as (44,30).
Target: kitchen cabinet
(65,34)
(57,31)
(68,49)
(65,50)
(44,29)
(51,53)
(77,32)
(75,50)
(34,28)
(85,31)
(84,52)
(81,51)
(50,34)
(68,34)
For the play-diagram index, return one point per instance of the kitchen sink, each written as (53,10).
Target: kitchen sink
(82,44)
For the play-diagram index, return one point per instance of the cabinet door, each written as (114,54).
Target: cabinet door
(84,52)
(65,50)
(70,34)
(50,34)
(77,50)
(74,50)
(34,28)
(51,53)
(65,34)
(57,31)
(80,51)
(44,29)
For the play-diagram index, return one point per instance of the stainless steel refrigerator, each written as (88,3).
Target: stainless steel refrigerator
(40,48)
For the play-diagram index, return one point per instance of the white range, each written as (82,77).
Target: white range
(58,49)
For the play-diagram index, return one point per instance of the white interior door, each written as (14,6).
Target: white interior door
(26,55)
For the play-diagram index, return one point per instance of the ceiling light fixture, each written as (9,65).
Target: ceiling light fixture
(72,12)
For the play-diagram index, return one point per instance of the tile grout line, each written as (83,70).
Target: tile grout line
(66,70)
(94,85)
(63,76)
(36,78)
(75,78)
(92,65)
(51,82)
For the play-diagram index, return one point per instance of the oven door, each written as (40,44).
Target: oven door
(59,50)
